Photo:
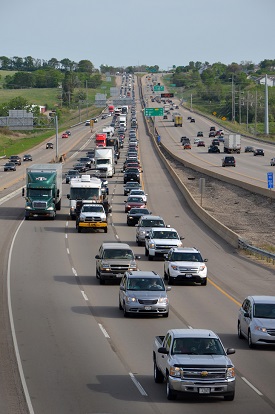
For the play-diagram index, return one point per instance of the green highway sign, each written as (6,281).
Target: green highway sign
(172,84)
(158,88)
(153,111)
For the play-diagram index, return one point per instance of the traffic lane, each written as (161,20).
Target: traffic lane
(158,266)
(50,311)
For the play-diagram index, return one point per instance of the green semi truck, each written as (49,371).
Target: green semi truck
(43,190)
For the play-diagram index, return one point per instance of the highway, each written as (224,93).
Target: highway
(78,353)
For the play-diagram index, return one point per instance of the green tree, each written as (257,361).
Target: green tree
(85,66)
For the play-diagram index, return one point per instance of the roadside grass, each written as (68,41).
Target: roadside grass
(15,142)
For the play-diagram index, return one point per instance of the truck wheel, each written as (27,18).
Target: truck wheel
(119,305)
(151,258)
(170,280)
(27,217)
(229,397)
(158,376)
(58,205)
(170,394)
(105,229)
(138,242)
(146,252)
(101,281)
(79,229)
(165,275)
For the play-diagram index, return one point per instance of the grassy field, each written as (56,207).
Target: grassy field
(13,143)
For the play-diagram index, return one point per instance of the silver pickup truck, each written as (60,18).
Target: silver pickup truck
(194,361)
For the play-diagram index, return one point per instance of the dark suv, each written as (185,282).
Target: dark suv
(131,174)
(15,159)
(228,162)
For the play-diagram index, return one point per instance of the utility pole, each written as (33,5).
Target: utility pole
(233,98)
(266,124)
(256,104)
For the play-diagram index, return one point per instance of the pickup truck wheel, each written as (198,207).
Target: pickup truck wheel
(119,305)
(79,229)
(170,280)
(101,281)
(240,335)
(229,397)
(151,258)
(138,242)
(146,252)
(165,275)
(158,376)
(170,394)
(204,282)
(106,230)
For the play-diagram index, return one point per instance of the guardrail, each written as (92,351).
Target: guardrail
(224,232)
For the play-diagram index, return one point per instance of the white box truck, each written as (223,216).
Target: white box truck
(105,161)
(232,143)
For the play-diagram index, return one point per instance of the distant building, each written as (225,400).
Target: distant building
(270,80)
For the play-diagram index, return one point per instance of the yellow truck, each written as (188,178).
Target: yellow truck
(177,119)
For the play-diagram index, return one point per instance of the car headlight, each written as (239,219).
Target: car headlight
(175,372)
(261,329)
(130,299)
(201,268)
(163,300)
(50,208)
(179,244)
(152,245)
(230,373)
(175,267)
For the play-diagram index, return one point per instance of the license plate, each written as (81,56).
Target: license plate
(204,390)
(147,307)
(119,275)
(188,275)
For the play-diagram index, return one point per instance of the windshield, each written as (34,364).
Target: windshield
(165,235)
(186,257)
(152,223)
(145,284)
(197,346)
(92,209)
(103,161)
(84,193)
(40,192)
(118,254)
(264,310)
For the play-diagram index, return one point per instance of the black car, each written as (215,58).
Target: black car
(131,185)
(27,157)
(10,166)
(15,159)
(81,167)
(258,151)
(85,160)
(215,141)
(49,145)
(229,161)
(249,149)
(71,174)
(212,134)
(213,149)
(131,174)
(192,120)
(134,215)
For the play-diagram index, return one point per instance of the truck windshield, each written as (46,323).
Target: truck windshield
(165,235)
(84,193)
(40,192)
(92,209)
(103,161)
(118,254)
(197,346)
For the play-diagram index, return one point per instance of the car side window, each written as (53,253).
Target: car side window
(245,305)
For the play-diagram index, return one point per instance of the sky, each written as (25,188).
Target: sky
(123,33)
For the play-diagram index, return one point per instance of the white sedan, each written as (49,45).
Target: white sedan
(140,193)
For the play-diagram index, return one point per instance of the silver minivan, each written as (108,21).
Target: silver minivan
(256,320)
(143,292)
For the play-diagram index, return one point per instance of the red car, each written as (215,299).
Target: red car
(201,144)
(187,146)
(134,202)
(65,135)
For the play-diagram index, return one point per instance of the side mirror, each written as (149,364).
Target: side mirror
(230,351)
(137,257)
(205,260)
(163,350)
(68,196)
(168,288)
(97,256)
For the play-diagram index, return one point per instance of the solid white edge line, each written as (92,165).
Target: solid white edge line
(103,330)
(138,385)
(251,386)
(68,251)
(84,295)
(16,349)
(74,271)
